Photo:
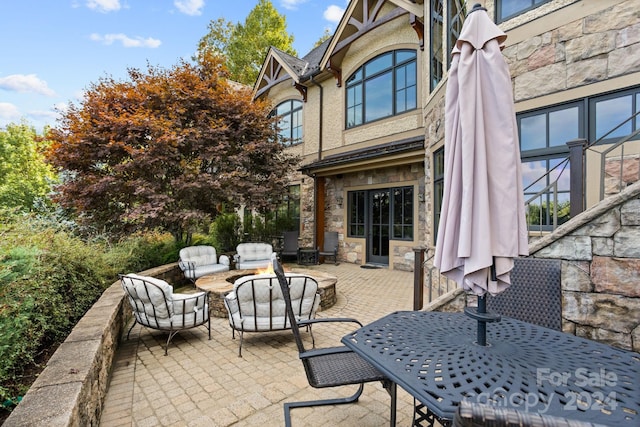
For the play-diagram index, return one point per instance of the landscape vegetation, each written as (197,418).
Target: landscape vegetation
(133,172)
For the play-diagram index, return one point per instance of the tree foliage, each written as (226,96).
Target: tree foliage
(325,36)
(166,150)
(245,46)
(24,174)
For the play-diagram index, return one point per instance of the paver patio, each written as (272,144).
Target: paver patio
(205,383)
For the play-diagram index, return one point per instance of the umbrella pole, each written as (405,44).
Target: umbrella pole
(482,324)
(480,313)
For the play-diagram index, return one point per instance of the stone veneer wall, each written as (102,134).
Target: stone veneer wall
(71,389)
(590,49)
(600,253)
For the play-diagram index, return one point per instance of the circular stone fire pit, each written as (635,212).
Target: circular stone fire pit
(220,284)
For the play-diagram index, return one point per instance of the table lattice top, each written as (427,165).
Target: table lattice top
(434,357)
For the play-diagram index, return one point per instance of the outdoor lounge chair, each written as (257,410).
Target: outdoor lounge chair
(257,305)
(332,366)
(330,247)
(198,261)
(155,306)
(253,255)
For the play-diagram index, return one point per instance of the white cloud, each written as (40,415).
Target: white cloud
(104,6)
(25,83)
(60,107)
(47,116)
(190,7)
(292,4)
(8,112)
(333,13)
(109,39)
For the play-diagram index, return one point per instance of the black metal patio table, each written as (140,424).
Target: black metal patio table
(434,357)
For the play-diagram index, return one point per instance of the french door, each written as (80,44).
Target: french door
(379,226)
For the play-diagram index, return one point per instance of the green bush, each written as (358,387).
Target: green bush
(226,232)
(48,279)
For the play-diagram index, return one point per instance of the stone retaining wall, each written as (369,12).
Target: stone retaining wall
(71,389)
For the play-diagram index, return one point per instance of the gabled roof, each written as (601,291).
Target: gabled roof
(280,66)
(359,17)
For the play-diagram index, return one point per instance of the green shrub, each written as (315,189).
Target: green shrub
(48,279)
(226,232)
(142,251)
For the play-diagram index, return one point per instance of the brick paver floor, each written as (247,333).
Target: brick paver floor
(204,383)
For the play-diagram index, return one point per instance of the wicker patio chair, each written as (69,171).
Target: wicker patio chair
(478,415)
(534,295)
(331,366)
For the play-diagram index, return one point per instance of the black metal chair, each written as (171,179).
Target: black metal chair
(534,295)
(330,246)
(289,244)
(331,366)
(482,415)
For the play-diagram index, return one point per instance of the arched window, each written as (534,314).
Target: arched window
(383,87)
(289,121)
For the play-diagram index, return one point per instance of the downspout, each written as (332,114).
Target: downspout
(320,117)
(315,182)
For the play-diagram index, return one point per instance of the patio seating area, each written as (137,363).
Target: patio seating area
(205,383)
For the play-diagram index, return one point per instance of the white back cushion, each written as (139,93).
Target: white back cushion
(199,255)
(151,300)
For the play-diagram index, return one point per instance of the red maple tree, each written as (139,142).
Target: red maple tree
(167,149)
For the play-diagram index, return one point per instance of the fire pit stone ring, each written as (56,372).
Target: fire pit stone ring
(220,284)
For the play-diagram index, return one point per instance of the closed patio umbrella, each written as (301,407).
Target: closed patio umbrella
(482,221)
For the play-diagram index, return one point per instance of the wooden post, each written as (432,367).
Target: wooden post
(418,277)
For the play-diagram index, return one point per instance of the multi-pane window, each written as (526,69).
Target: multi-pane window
(357,211)
(438,188)
(543,144)
(288,211)
(289,121)
(383,87)
(506,9)
(392,207)
(611,115)
(437,47)
(456,12)
(402,205)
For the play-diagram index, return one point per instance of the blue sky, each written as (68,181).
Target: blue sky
(52,50)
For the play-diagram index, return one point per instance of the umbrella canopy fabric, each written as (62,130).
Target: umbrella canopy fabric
(482,221)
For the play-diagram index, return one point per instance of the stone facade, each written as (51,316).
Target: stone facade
(601,270)
(594,48)
(401,255)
